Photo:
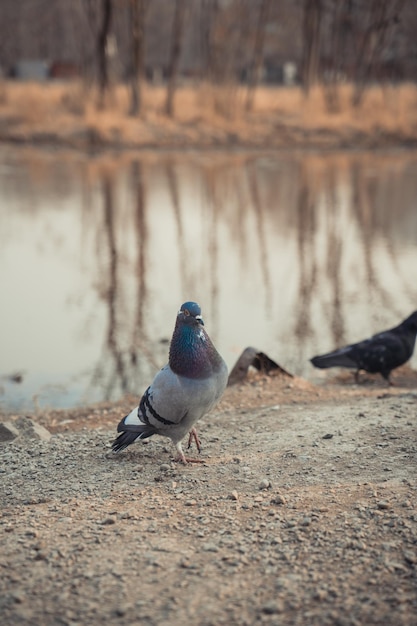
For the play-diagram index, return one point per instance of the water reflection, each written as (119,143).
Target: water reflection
(292,253)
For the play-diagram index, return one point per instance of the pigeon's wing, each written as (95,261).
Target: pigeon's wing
(166,402)
(381,353)
(131,429)
(344,357)
(162,405)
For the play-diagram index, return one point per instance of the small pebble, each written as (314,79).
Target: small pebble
(320,594)
(264,484)
(278,499)
(410,557)
(271,608)
(210,547)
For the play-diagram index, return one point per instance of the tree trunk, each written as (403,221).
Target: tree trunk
(339,25)
(311,54)
(137,15)
(383,16)
(257,53)
(176,40)
(103,69)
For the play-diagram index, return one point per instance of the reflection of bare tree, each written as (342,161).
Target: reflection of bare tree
(363,208)
(139,338)
(307,259)
(214,203)
(334,255)
(172,180)
(119,364)
(119,375)
(374,203)
(142,237)
(260,224)
(242,210)
(113,282)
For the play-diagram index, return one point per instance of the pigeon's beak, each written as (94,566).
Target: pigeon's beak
(199,319)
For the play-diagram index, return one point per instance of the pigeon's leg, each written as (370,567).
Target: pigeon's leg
(388,379)
(193,435)
(182,458)
(356,376)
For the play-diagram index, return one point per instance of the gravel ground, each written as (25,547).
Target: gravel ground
(302,513)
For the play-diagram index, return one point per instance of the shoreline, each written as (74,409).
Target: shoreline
(92,143)
(257,391)
(66,115)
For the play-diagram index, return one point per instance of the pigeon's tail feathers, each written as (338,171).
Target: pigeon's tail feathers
(338,358)
(130,434)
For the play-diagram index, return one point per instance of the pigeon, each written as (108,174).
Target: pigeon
(187,388)
(379,354)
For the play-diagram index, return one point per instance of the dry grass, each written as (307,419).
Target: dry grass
(384,107)
(205,115)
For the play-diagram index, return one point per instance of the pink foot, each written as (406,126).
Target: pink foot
(193,436)
(187,460)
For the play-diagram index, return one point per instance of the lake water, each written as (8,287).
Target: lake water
(293,253)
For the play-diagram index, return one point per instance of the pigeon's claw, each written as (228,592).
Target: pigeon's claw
(186,460)
(181,458)
(193,436)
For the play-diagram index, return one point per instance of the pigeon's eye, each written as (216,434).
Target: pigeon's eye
(186,312)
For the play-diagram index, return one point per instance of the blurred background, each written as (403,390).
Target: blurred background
(259,157)
(276,42)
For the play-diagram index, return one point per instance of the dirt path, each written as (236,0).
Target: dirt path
(303,513)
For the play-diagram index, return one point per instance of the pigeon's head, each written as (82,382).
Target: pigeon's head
(191,353)
(190,313)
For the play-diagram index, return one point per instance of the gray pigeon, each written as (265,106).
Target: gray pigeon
(380,354)
(183,391)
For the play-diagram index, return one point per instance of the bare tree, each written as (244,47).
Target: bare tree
(257,52)
(331,39)
(176,40)
(99,16)
(209,11)
(137,16)
(383,17)
(339,28)
(226,30)
(102,40)
(311,36)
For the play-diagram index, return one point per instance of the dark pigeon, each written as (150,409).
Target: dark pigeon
(187,388)
(380,354)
